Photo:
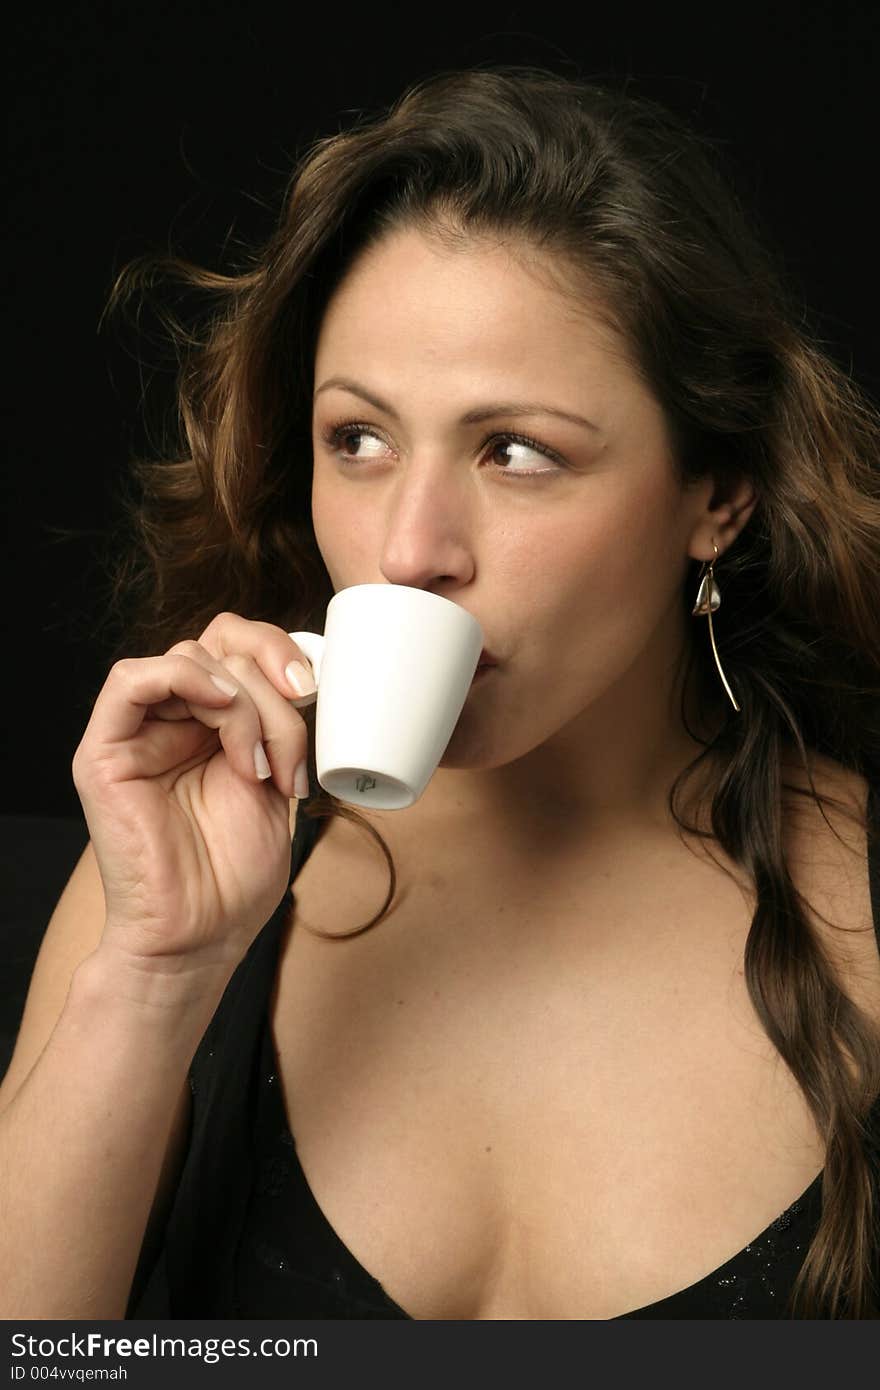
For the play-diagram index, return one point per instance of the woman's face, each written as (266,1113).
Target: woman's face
(569,546)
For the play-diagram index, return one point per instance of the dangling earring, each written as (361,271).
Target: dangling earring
(708,600)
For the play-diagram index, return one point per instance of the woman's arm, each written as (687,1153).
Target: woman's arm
(82,1146)
(189,853)
(94,1114)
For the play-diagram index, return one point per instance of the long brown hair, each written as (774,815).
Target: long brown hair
(628,202)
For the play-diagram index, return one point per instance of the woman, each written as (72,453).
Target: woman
(611,1046)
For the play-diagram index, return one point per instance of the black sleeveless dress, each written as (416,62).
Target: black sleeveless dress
(246,1239)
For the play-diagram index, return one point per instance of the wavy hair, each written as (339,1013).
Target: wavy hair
(629,202)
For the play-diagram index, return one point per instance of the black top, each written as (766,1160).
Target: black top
(246,1239)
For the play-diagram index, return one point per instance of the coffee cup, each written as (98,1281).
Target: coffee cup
(392,672)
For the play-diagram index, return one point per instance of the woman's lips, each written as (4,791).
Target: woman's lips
(486,663)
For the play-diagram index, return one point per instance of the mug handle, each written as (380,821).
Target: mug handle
(312,645)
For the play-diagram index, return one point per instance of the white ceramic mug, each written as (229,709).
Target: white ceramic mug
(392,670)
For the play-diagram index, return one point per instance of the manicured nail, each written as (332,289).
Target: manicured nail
(226,686)
(301,782)
(261,762)
(301,679)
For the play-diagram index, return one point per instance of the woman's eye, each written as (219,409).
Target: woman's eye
(345,441)
(519,450)
(342,437)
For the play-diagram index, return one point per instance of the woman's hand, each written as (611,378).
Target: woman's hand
(192,842)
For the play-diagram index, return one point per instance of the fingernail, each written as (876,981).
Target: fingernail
(261,762)
(301,679)
(301,782)
(226,686)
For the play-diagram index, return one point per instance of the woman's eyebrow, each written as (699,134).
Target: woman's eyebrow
(473,417)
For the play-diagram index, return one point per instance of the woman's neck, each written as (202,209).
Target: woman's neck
(609,771)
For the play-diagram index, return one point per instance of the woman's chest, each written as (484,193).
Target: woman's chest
(514,1102)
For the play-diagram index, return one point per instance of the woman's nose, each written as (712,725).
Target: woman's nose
(427,529)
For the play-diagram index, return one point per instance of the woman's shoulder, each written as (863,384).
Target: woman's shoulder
(828,858)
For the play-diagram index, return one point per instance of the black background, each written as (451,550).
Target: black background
(136,127)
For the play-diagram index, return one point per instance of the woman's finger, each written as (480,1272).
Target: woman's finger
(134,684)
(283,663)
(172,709)
(285,738)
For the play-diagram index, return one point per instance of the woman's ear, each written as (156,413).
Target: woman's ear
(722,519)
